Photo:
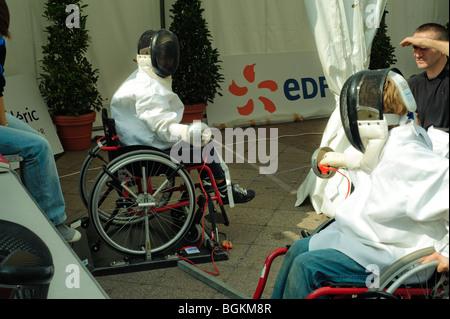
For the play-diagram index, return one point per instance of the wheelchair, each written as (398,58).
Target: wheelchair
(407,278)
(141,202)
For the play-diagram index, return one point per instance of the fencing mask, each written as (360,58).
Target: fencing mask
(159,50)
(361,108)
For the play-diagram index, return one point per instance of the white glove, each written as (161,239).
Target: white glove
(333,159)
(197,134)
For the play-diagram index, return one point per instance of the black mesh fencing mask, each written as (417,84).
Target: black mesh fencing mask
(361,103)
(165,53)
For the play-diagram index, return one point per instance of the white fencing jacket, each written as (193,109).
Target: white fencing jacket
(401,207)
(147,112)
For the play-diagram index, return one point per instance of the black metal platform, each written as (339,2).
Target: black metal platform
(102,260)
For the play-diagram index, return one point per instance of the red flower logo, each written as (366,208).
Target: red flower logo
(249,75)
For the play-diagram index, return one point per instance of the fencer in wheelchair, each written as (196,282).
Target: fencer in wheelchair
(144,199)
(147,112)
(400,201)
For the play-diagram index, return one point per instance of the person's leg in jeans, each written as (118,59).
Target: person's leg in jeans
(302,271)
(38,170)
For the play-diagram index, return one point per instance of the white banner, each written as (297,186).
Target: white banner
(24,101)
(270,88)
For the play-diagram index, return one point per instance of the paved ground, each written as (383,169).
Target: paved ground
(257,228)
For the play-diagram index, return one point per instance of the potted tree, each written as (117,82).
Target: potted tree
(197,80)
(382,54)
(68,81)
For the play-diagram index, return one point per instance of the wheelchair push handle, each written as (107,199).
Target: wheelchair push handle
(110,141)
(101,142)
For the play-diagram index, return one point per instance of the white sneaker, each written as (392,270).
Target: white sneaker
(70,234)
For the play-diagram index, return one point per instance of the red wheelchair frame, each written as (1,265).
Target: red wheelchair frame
(344,291)
(199,167)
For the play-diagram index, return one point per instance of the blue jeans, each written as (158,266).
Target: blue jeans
(38,169)
(303,271)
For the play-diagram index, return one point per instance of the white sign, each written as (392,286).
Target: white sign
(24,101)
(270,88)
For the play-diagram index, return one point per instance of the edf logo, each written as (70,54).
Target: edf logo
(306,88)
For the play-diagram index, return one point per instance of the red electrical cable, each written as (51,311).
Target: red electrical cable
(325,169)
(203,228)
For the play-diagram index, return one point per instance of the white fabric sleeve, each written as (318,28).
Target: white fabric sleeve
(334,159)
(353,158)
(178,131)
(442,246)
(162,112)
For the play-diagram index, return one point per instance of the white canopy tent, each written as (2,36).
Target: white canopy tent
(344,50)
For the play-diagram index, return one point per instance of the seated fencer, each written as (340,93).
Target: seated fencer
(147,112)
(400,202)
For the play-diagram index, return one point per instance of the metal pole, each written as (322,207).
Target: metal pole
(162,13)
(211,281)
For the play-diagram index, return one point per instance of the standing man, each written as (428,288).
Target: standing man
(430,88)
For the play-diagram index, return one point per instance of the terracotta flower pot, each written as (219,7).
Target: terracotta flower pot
(75,132)
(193,113)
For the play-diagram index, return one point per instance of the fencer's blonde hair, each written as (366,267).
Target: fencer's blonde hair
(392,102)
